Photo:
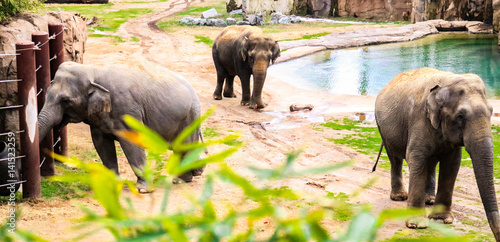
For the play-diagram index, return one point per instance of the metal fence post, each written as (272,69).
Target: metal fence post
(57,58)
(43,81)
(28,118)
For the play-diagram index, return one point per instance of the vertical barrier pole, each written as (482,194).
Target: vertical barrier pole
(28,118)
(56,50)
(43,81)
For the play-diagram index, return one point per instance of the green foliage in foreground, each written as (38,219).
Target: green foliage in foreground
(366,140)
(9,8)
(198,219)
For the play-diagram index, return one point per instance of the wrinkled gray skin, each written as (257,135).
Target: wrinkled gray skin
(100,96)
(243,50)
(425,116)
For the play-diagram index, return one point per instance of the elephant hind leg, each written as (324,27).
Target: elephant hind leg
(430,185)
(398,191)
(220,83)
(229,87)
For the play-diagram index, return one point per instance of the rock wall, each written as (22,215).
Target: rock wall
(20,28)
(391,10)
(263,6)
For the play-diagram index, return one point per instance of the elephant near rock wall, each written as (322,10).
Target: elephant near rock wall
(426,116)
(100,96)
(242,51)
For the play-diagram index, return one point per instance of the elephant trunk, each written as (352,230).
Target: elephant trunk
(259,71)
(479,144)
(48,118)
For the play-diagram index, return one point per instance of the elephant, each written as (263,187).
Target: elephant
(426,116)
(100,96)
(244,51)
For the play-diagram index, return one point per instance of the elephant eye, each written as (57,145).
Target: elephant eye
(460,119)
(65,101)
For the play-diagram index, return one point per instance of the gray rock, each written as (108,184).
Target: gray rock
(236,11)
(209,13)
(256,19)
(243,23)
(285,20)
(211,22)
(199,21)
(296,20)
(187,20)
(220,23)
(273,21)
(231,21)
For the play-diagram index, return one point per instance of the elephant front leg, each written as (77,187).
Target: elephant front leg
(448,170)
(105,147)
(136,157)
(229,87)
(416,196)
(245,87)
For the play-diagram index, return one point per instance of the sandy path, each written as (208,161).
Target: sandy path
(266,142)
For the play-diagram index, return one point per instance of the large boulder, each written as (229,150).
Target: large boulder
(20,28)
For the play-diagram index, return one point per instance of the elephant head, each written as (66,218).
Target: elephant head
(74,96)
(461,112)
(258,53)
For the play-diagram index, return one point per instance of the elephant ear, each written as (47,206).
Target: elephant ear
(435,101)
(244,48)
(99,100)
(275,49)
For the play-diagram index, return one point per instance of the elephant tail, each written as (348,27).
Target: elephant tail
(378,156)
(200,134)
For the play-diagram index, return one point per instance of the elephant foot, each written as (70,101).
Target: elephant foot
(143,187)
(186,177)
(430,199)
(245,103)
(217,96)
(257,106)
(399,196)
(446,217)
(417,222)
(198,172)
(229,94)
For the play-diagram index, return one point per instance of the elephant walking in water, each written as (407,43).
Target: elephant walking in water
(425,116)
(100,96)
(243,51)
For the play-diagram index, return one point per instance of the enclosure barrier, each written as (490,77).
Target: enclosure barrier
(35,69)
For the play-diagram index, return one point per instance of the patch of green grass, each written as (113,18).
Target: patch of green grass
(135,39)
(310,36)
(173,21)
(344,210)
(64,190)
(479,236)
(116,39)
(210,132)
(474,222)
(203,39)
(108,19)
(365,139)
(233,142)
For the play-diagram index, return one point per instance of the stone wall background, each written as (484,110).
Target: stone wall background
(487,11)
(20,28)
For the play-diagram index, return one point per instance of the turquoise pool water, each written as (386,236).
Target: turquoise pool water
(366,70)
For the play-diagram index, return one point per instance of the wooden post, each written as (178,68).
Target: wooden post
(57,58)
(28,119)
(43,81)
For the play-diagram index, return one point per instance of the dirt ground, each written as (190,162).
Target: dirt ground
(268,134)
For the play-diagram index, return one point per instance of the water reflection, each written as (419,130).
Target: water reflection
(367,70)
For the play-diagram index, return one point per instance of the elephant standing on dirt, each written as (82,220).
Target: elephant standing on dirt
(243,51)
(425,116)
(100,96)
